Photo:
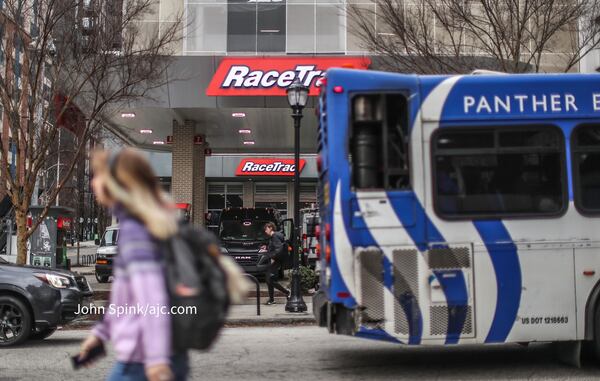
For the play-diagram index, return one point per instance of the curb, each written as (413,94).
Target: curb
(230,323)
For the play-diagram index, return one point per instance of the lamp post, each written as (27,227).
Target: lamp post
(297,95)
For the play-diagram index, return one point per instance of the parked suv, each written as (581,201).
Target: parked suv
(241,231)
(35,300)
(106,253)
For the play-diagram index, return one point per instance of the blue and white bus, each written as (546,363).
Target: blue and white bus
(460,209)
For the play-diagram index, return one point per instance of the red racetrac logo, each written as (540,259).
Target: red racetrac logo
(268,167)
(270,76)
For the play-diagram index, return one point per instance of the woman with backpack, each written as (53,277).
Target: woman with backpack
(125,182)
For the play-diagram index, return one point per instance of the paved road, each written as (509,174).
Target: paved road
(308,353)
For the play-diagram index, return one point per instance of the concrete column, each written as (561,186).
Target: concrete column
(183,152)
(199,185)
(188,179)
(248,194)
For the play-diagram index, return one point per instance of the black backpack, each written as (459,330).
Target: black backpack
(192,263)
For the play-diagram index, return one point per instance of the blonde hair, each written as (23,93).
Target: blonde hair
(130,180)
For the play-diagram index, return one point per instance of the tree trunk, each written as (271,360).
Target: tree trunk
(21,219)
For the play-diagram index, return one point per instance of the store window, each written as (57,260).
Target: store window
(219,197)
(308,196)
(586,168)
(499,172)
(268,195)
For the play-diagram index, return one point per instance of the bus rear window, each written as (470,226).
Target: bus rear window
(379,142)
(520,174)
(586,168)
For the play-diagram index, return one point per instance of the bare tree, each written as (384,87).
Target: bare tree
(70,64)
(458,36)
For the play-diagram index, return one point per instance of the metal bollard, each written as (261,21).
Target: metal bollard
(253,278)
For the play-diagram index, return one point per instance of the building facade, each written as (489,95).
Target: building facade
(225,98)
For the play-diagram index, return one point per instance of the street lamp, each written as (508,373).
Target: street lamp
(297,95)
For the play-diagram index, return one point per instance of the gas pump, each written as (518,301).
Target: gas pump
(48,244)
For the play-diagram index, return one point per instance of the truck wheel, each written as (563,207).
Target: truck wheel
(15,321)
(41,335)
(101,278)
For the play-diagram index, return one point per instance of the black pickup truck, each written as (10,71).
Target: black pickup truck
(241,231)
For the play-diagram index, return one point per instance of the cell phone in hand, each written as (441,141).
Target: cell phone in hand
(94,353)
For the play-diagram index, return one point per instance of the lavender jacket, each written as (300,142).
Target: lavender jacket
(143,333)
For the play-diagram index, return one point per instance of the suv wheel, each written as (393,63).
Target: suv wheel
(101,278)
(15,321)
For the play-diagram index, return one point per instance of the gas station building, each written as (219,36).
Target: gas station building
(220,134)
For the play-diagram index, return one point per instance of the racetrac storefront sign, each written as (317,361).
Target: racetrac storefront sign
(268,167)
(270,76)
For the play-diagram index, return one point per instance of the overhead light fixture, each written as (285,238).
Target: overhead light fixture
(158,142)
(249,143)
(146,131)
(244,131)
(238,114)
(269,31)
(128,115)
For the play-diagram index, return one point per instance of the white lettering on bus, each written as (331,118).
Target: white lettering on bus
(523,103)
(596,101)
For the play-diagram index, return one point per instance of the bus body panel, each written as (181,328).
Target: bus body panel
(410,276)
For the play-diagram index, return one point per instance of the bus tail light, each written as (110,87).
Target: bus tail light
(318,250)
(328,232)
(328,254)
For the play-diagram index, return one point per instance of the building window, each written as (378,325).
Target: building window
(499,172)
(256,26)
(301,28)
(330,28)
(241,27)
(269,195)
(379,142)
(308,196)
(221,196)
(585,144)
(271,27)
(207,28)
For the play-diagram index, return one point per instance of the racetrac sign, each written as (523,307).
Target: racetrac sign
(268,167)
(270,76)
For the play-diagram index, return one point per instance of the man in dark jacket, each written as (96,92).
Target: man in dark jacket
(276,252)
